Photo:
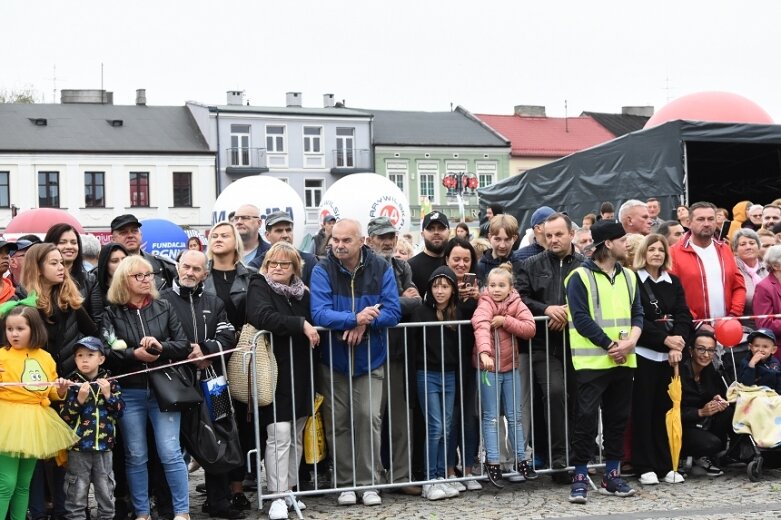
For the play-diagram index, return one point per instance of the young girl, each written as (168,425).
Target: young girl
(502,315)
(437,362)
(30,428)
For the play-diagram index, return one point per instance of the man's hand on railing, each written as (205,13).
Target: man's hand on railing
(354,336)
(557,315)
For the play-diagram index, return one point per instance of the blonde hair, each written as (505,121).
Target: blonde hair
(238,252)
(404,245)
(481,245)
(119,290)
(503,221)
(640,262)
(286,251)
(633,241)
(505,269)
(67,292)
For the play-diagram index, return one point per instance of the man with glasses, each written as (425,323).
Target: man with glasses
(247,221)
(126,230)
(279,226)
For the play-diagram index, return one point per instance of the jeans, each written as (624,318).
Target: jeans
(85,467)
(437,394)
(141,404)
(502,393)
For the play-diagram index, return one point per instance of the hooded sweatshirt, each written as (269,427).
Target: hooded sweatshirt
(739,216)
(436,347)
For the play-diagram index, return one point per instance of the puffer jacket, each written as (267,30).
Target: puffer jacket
(157,319)
(95,421)
(518,322)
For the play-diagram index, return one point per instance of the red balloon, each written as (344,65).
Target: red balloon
(724,107)
(729,332)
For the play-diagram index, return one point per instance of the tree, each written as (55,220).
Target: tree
(25,95)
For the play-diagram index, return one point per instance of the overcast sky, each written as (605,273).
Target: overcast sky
(407,55)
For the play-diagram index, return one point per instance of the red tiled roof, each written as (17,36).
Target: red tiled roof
(547,136)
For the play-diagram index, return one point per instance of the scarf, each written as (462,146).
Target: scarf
(295,290)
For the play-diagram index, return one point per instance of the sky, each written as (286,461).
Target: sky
(486,56)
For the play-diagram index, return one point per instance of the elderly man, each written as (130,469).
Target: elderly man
(382,239)
(605,319)
(354,294)
(207,328)
(633,215)
(435,234)
(126,230)
(247,220)
(582,241)
(279,226)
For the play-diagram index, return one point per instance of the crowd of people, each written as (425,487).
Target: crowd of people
(580,318)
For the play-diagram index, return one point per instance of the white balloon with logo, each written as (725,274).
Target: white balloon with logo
(364,196)
(269,195)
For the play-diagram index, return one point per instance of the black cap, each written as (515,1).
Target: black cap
(329,218)
(124,220)
(435,216)
(766,333)
(277,217)
(606,230)
(10,245)
(92,343)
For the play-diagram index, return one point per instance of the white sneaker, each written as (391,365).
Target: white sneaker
(433,492)
(347,498)
(449,490)
(458,486)
(278,510)
(473,485)
(290,507)
(649,479)
(371,498)
(673,477)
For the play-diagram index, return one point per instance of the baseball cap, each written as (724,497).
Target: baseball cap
(329,218)
(91,343)
(124,220)
(380,226)
(22,245)
(606,230)
(12,246)
(435,216)
(767,333)
(276,218)
(540,214)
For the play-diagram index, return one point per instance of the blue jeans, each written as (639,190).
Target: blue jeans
(437,396)
(504,393)
(141,404)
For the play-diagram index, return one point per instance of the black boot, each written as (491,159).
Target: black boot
(494,473)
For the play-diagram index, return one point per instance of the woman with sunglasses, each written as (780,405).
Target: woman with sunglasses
(667,329)
(705,413)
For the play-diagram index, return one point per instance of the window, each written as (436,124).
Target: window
(427,179)
(139,189)
(312,136)
(397,174)
(486,173)
(313,192)
(5,190)
(345,147)
(275,139)
(48,189)
(240,146)
(94,189)
(183,189)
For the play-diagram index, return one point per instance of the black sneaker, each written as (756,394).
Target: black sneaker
(239,501)
(613,484)
(528,471)
(711,470)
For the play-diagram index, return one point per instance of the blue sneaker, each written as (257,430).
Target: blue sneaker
(613,484)
(579,492)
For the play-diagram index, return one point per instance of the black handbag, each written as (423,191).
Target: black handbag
(175,389)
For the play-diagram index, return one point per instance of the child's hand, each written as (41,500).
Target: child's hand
(756,358)
(81,397)
(486,361)
(62,385)
(497,321)
(105,387)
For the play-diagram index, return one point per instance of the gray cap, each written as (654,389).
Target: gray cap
(276,218)
(380,226)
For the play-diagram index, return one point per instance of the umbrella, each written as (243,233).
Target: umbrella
(673,419)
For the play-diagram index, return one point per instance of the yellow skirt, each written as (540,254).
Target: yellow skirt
(33,431)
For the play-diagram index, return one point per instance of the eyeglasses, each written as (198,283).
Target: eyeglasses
(703,350)
(283,265)
(242,218)
(142,277)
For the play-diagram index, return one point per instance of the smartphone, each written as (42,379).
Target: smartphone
(470,279)
(154,351)
(379,306)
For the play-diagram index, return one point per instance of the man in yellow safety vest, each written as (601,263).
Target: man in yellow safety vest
(605,319)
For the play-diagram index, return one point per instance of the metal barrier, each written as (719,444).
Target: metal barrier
(381,387)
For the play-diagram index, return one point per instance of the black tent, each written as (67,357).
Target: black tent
(677,162)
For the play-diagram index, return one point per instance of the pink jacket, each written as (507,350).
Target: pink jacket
(518,322)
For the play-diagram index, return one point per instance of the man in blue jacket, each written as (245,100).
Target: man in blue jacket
(354,295)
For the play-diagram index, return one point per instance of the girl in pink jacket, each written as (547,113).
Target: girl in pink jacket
(501,319)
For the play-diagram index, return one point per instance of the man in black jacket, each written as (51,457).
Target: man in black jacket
(540,282)
(207,328)
(126,230)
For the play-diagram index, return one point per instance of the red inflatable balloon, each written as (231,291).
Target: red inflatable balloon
(729,332)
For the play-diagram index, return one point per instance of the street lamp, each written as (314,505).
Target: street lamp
(459,186)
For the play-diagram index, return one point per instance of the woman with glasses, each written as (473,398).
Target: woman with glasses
(278,301)
(705,414)
(667,329)
(144,332)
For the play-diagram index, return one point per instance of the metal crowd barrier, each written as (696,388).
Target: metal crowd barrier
(384,478)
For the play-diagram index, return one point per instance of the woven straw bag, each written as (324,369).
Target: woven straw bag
(240,375)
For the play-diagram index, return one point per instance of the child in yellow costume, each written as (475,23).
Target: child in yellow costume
(30,429)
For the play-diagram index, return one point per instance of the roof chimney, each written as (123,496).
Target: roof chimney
(94,96)
(328,100)
(141,97)
(294,99)
(235,97)
(637,111)
(530,110)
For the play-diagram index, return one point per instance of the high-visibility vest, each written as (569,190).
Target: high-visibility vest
(610,306)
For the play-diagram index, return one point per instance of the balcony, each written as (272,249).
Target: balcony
(350,160)
(241,162)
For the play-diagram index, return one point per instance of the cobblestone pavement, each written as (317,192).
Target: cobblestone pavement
(731,496)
